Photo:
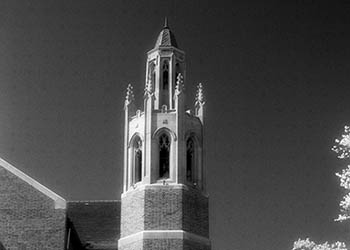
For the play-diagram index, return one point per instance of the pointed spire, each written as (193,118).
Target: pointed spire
(129,95)
(199,95)
(166,23)
(179,84)
(166,38)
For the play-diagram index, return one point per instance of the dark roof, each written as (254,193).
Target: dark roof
(97,223)
(166,38)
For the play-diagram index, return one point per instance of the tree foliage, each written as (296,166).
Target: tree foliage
(342,149)
(310,245)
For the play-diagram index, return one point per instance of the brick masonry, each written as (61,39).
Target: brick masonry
(165,207)
(28,218)
(132,212)
(165,244)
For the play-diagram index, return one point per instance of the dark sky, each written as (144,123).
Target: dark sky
(276,77)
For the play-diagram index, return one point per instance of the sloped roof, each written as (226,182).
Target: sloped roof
(60,203)
(166,38)
(97,223)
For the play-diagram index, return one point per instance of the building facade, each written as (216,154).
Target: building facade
(164,204)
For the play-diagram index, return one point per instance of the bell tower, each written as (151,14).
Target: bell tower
(164,203)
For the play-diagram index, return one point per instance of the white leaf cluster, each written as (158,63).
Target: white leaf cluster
(344,208)
(344,177)
(307,244)
(342,149)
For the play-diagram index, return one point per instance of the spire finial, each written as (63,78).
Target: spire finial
(179,84)
(148,87)
(199,95)
(129,95)
(166,22)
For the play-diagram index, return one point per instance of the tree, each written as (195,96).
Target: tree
(342,149)
(310,245)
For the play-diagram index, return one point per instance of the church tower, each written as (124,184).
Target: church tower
(164,204)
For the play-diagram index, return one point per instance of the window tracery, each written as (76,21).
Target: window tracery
(164,155)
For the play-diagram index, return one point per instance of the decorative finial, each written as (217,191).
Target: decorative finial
(166,23)
(199,103)
(129,95)
(199,95)
(179,84)
(149,87)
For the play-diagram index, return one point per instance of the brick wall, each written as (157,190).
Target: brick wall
(168,207)
(28,218)
(196,213)
(132,212)
(192,245)
(163,208)
(163,244)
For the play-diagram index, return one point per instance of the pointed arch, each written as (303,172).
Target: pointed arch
(135,158)
(190,159)
(164,155)
(193,159)
(165,83)
(152,73)
(164,139)
(164,129)
(133,138)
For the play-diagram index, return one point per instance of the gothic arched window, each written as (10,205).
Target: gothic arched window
(165,84)
(152,74)
(190,159)
(137,147)
(164,155)
(165,75)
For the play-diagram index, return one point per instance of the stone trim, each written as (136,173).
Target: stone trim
(60,203)
(162,234)
(160,185)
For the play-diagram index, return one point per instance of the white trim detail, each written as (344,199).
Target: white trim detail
(60,203)
(162,234)
(159,185)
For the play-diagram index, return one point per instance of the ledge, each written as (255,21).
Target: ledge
(162,234)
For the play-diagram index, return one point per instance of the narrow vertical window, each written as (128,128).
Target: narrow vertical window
(164,153)
(177,69)
(152,74)
(138,159)
(165,75)
(189,159)
(165,85)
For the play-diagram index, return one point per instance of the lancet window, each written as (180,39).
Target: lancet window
(165,75)
(165,85)
(137,148)
(164,155)
(190,159)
